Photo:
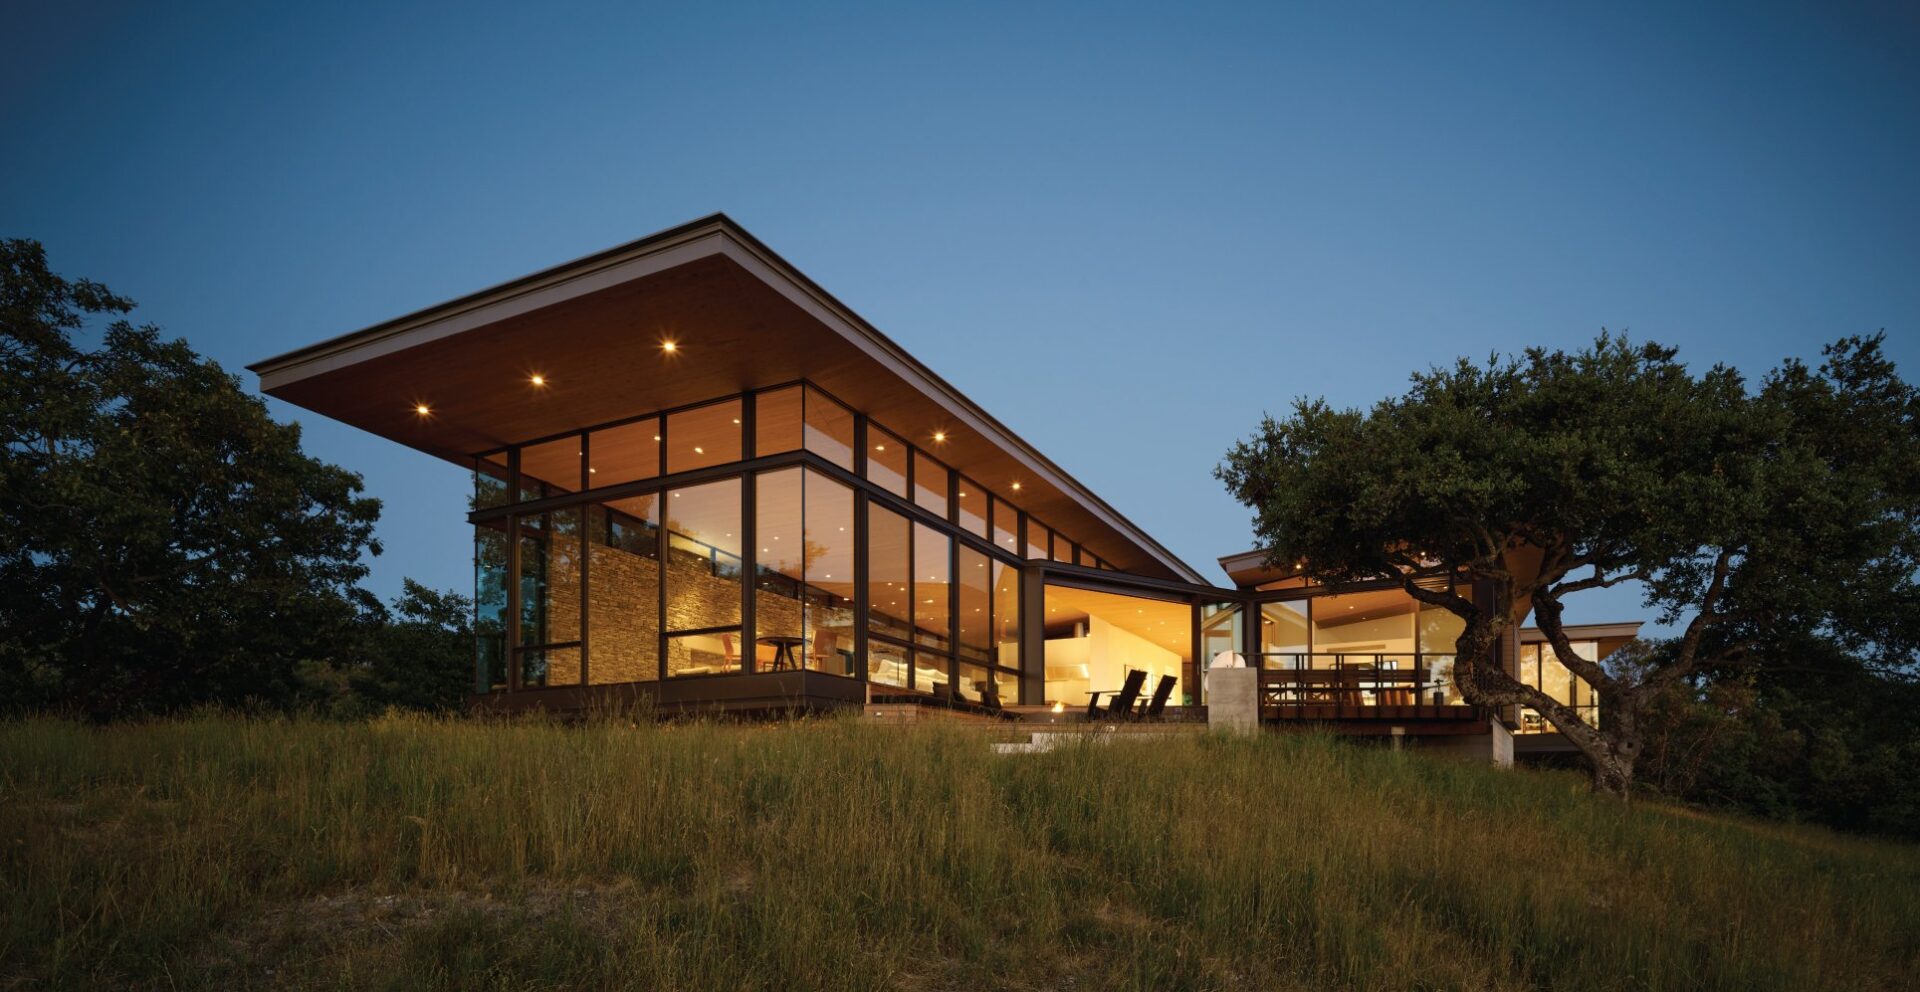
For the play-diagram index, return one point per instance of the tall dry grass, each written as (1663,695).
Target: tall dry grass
(409,853)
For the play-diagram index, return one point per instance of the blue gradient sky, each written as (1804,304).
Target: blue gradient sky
(1124,231)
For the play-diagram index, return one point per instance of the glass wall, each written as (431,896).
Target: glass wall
(975,583)
(1539,667)
(804,590)
(624,453)
(704,436)
(971,507)
(889,574)
(886,461)
(550,468)
(623,590)
(1221,637)
(490,605)
(1092,639)
(550,574)
(1439,633)
(930,484)
(703,603)
(932,577)
(625,587)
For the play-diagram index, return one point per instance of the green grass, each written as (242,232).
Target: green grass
(220,852)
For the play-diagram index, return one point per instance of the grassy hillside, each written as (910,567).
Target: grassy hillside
(228,853)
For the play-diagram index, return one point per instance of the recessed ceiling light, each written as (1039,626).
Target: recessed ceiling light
(421,409)
(699,450)
(939,435)
(1016,487)
(538,379)
(669,347)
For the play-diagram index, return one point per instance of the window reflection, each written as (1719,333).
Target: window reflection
(889,573)
(971,507)
(777,417)
(886,461)
(1006,526)
(829,429)
(930,484)
(627,453)
(490,605)
(550,468)
(932,576)
(549,622)
(976,603)
(703,436)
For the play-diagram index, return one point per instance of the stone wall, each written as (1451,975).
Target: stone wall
(623,604)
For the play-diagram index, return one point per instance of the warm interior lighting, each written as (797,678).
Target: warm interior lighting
(538,379)
(669,347)
(699,450)
(1016,487)
(421,409)
(939,435)
(1059,707)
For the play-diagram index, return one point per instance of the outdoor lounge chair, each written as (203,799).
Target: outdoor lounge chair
(1154,708)
(1120,705)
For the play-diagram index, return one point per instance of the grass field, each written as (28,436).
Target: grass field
(227,853)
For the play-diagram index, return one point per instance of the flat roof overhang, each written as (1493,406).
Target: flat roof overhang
(741,318)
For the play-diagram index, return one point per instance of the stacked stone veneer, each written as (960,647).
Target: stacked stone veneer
(623,604)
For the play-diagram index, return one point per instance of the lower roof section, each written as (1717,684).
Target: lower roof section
(594,330)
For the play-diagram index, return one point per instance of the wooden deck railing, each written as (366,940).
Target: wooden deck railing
(1357,686)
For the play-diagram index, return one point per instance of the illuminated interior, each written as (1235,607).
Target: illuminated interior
(1094,638)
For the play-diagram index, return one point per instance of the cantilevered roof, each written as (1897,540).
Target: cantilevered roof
(741,318)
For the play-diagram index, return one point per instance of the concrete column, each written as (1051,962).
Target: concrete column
(1233,700)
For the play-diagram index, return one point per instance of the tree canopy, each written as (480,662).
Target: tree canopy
(163,541)
(1747,515)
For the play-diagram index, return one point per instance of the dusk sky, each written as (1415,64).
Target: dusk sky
(1124,232)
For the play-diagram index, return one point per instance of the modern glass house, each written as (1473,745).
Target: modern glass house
(702,480)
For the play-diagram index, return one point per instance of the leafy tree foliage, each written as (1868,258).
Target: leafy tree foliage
(163,542)
(1749,516)
(1803,731)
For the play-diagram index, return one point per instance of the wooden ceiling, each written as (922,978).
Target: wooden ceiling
(599,353)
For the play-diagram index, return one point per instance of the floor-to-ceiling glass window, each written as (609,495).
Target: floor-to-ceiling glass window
(932,612)
(803,599)
(703,578)
(1284,634)
(1006,624)
(889,595)
(780,570)
(550,573)
(1540,667)
(623,590)
(974,581)
(490,605)
(1093,639)
(1439,633)
(1221,627)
